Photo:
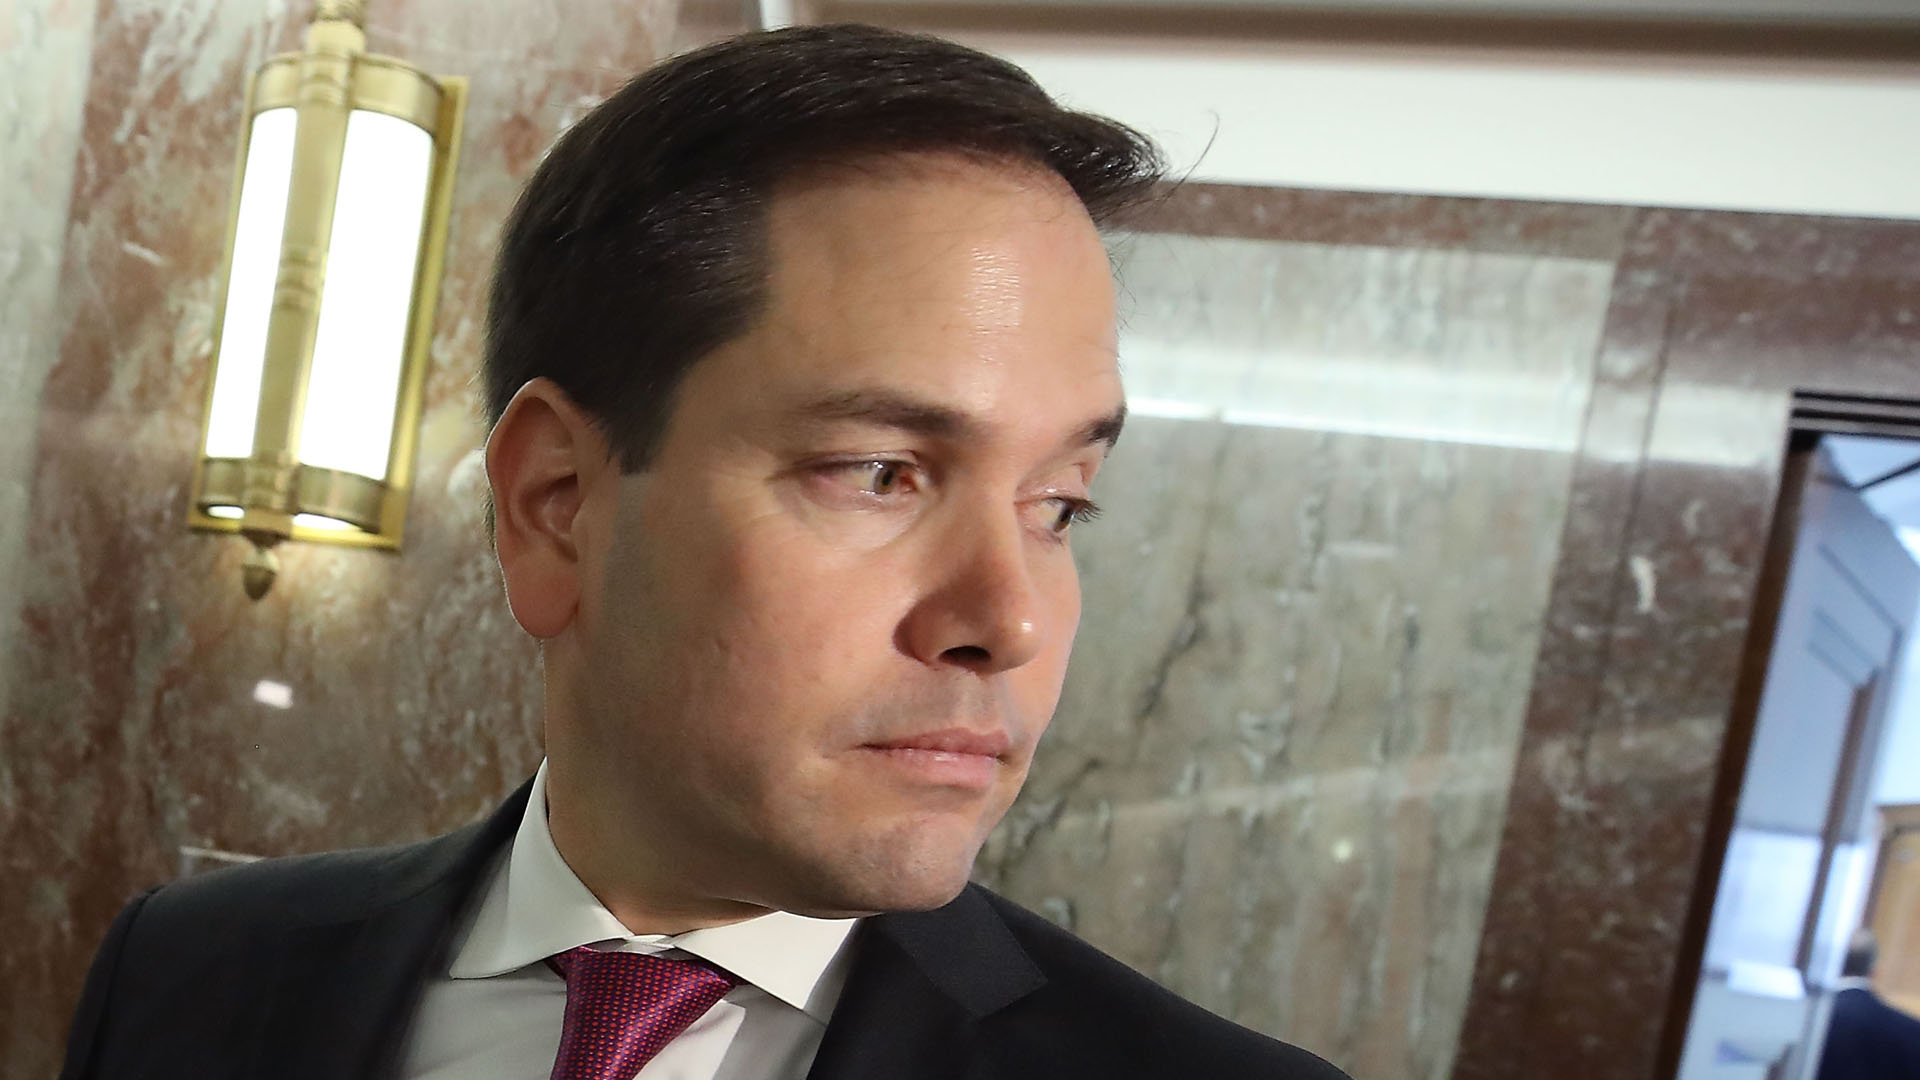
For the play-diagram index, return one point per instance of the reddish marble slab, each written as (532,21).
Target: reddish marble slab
(132,728)
(1567,671)
(1607,855)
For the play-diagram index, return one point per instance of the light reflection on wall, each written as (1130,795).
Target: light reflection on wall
(1447,369)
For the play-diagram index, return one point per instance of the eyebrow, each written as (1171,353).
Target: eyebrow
(1104,430)
(903,412)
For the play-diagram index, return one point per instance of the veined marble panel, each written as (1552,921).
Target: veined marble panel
(151,707)
(45,46)
(1278,776)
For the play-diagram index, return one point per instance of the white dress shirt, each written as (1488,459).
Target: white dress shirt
(496,1013)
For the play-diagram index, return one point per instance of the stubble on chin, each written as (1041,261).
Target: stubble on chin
(883,886)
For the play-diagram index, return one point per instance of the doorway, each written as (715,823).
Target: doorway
(1816,846)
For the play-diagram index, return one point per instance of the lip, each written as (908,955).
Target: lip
(954,758)
(993,744)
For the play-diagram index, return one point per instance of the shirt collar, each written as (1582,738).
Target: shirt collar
(535,906)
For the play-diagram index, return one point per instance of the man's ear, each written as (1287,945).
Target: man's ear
(542,459)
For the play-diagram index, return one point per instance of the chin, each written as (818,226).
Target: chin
(920,894)
(919,881)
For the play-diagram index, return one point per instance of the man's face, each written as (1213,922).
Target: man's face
(828,625)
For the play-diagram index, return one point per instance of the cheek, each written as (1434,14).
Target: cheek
(860,571)
(792,621)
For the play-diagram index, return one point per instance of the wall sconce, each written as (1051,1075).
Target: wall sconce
(334,249)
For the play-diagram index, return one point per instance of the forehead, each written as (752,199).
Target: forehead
(976,282)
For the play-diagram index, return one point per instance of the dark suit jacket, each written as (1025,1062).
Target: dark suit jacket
(313,967)
(1868,1039)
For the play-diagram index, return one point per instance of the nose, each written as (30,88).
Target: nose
(984,612)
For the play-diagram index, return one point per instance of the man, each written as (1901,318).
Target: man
(1867,1039)
(800,366)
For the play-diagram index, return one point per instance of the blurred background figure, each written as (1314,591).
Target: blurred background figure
(1868,1039)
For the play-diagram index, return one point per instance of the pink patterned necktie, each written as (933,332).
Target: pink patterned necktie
(623,1008)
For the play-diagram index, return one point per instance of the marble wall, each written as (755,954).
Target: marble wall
(1628,759)
(45,46)
(1278,777)
(1627,774)
(1401,709)
(131,726)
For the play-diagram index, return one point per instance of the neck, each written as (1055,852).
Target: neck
(613,865)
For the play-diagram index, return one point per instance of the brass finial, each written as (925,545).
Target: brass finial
(353,11)
(257,574)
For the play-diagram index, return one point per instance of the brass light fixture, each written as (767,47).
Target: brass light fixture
(334,248)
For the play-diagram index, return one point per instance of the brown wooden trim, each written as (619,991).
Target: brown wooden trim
(1769,595)
(1895,820)
(1784,38)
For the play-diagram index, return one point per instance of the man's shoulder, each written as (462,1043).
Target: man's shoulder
(297,890)
(1863,1004)
(188,968)
(1119,1013)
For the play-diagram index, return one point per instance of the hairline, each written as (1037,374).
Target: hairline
(827,170)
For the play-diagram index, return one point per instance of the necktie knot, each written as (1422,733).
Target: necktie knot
(623,1008)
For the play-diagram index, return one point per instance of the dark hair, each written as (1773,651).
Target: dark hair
(1862,952)
(639,245)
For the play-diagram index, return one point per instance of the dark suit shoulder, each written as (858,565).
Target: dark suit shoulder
(183,975)
(190,974)
(1103,1017)
(302,890)
(1868,1037)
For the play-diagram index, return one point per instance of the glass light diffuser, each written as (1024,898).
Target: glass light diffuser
(250,281)
(360,347)
(321,521)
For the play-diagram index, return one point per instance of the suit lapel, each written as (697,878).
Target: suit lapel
(920,985)
(343,993)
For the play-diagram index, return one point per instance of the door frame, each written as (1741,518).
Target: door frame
(1813,415)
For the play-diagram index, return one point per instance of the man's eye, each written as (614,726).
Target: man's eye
(1074,512)
(879,477)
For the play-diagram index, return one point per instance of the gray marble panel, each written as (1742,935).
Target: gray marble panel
(45,49)
(1278,775)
